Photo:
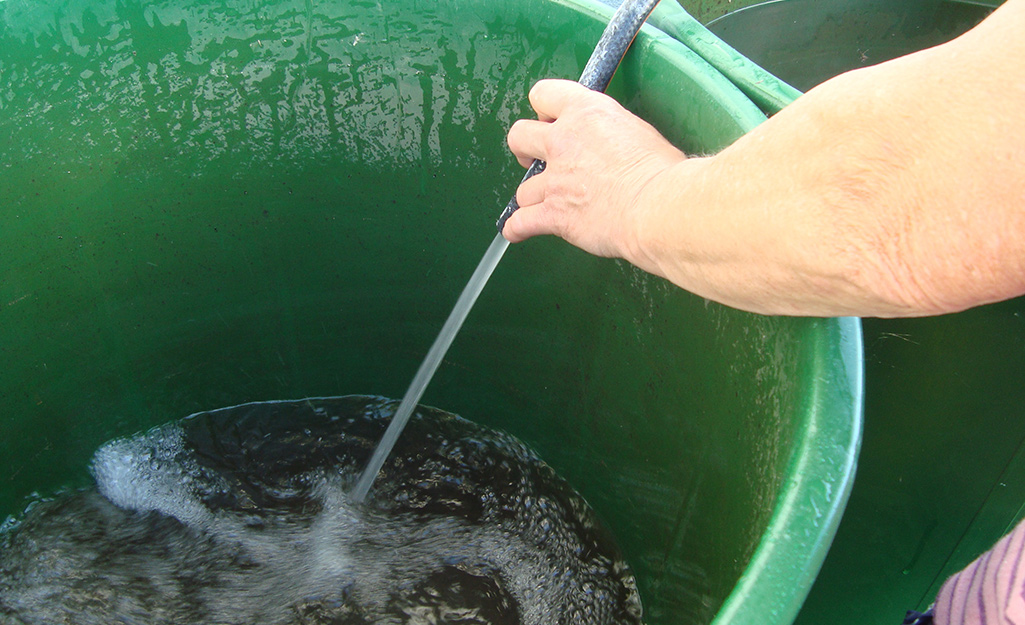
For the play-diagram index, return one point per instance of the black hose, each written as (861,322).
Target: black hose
(597,74)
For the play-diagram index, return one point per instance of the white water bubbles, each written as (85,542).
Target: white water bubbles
(241,515)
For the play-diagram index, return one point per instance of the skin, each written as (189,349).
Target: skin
(894,190)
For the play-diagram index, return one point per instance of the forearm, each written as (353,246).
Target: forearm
(894,190)
(890,191)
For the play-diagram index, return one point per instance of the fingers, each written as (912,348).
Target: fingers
(549,98)
(531,191)
(527,222)
(529,219)
(526,141)
(535,139)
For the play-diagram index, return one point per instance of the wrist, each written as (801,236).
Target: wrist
(660,225)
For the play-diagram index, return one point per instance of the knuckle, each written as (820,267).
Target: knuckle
(564,139)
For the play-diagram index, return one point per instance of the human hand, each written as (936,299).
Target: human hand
(880,192)
(599,157)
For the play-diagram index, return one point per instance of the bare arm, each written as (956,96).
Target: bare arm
(895,190)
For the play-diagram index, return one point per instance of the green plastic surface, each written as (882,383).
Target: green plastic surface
(765,89)
(707,10)
(942,473)
(804,42)
(203,204)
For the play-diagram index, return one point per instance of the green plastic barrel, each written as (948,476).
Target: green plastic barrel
(203,204)
(942,473)
(805,42)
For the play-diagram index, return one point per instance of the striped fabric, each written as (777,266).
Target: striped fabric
(990,590)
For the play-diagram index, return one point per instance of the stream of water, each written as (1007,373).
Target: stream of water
(430,364)
(626,22)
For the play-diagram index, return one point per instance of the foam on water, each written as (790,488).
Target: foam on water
(151,472)
(241,515)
